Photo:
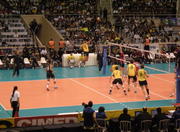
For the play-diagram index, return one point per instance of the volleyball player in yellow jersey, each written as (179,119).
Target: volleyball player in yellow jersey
(81,60)
(142,75)
(117,76)
(113,67)
(85,49)
(131,69)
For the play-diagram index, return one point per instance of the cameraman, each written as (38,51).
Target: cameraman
(89,117)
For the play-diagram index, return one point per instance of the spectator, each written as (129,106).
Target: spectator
(44,53)
(51,44)
(34,26)
(142,116)
(159,116)
(101,113)
(176,114)
(89,117)
(124,116)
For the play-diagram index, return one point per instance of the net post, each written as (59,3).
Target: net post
(104,58)
(169,67)
(178,84)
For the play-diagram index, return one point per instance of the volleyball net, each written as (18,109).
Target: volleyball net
(158,65)
(154,61)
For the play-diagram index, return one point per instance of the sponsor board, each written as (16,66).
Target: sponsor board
(46,120)
(7,123)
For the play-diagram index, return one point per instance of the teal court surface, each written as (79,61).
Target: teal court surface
(79,76)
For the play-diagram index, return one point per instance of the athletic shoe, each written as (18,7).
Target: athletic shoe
(147,98)
(135,91)
(128,90)
(125,92)
(172,95)
(110,91)
(47,89)
(55,87)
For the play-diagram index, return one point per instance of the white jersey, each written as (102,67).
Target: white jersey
(15,96)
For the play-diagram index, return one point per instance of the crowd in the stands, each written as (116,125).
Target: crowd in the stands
(138,29)
(77,22)
(144,7)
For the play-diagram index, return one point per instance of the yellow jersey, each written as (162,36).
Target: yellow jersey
(141,75)
(71,57)
(113,68)
(117,74)
(85,47)
(131,70)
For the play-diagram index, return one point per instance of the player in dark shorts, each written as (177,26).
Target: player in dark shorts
(142,78)
(50,75)
(131,70)
(117,80)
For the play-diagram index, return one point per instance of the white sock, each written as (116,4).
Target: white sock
(47,84)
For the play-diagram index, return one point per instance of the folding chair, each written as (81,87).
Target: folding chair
(146,125)
(177,125)
(172,56)
(43,61)
(1,64)
(125,126)
(163,125)
(27,63)
(11,63)
(102,125)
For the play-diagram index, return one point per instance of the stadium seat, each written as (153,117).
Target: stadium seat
(43,61)
(11,63)
(146,125)
(102,125)
(168,56)
(163,125)
(1,64)
(27,63)
(125,126)
(172,56)
(177,127)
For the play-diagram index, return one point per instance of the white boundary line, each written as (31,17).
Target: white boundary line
(153,93)
(94,90)
(3,106)
(87,87)
(163,97)
(156,94)
(152,75)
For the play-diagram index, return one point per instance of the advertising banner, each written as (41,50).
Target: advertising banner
(7,123)
(46,120)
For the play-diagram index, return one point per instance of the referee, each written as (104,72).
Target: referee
(17,61)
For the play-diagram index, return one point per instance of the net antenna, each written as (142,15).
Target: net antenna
(142,51)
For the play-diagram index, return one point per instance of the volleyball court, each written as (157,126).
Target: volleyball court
(74,91)
(158,63)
